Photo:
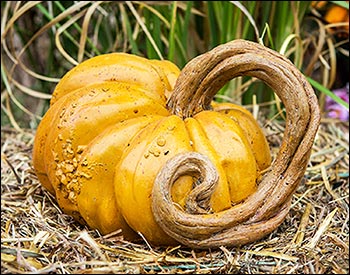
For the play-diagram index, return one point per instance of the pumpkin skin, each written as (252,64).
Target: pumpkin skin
(108,132)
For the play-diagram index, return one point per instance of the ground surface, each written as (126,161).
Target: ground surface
(36,237)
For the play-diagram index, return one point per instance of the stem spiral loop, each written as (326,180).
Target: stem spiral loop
(264,210)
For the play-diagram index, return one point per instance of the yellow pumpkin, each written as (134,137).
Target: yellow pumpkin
(114,122)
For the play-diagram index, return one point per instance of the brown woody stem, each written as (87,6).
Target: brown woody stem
(263,211)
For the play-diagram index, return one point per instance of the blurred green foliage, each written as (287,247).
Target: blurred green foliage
(42,40)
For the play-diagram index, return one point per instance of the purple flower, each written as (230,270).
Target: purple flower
(334,109)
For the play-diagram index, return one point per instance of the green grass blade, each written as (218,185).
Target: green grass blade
(127,25)
(344,4)
(327,92)
(171,52)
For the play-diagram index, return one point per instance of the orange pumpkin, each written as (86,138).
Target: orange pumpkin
(116,120)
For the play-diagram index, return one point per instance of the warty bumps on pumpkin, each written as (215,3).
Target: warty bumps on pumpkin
(108,132)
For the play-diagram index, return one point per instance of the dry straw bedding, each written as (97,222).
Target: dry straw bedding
(36,237)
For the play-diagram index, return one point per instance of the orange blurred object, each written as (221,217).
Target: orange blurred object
(337,14)
(333,14)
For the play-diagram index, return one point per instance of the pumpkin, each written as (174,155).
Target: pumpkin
(138,145)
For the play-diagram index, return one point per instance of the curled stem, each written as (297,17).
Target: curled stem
(264,210)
